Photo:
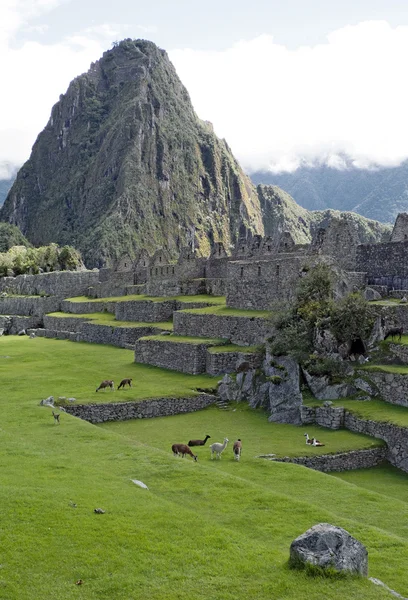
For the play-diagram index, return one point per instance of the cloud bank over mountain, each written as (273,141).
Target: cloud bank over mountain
(276,107)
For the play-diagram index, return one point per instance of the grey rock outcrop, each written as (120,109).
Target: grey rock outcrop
(326,545)
(370,294)
(275,388)
(323,390)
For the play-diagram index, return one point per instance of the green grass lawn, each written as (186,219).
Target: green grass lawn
(227,311)
(233,348)
(216,300)
(107,318)
(182,339)
(83,366)
(375,409)
(384,479)
(251,426)
(386,302)
(401,369)
(207,530)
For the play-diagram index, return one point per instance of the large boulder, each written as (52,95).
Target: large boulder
(326,545)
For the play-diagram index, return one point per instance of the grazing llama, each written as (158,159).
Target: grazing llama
(108,383)
(182,449)
(198,442)
(308,440)
(237,448)
(125,382)
(394,332)
(218,448)
(316,442)
(56,418)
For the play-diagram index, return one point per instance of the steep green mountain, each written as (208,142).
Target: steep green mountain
(281,213)
(10,236)
(5,185)
(124,163)
(374,193)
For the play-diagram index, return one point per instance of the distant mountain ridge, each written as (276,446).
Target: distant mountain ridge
(378,194)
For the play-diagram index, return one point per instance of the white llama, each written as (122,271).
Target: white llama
(218,448)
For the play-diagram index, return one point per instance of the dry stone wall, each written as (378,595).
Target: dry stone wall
(63,284)
(83,308)
(393,387)
(240,330)
(145,409)
(144,311)
(29,305)
(226,362)
(178,356)
(394,436)
(342,461)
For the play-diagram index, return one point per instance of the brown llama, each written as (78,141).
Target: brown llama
(108,383)
(182,449)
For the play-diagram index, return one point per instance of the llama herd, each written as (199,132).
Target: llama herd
(216,449)
(109,383)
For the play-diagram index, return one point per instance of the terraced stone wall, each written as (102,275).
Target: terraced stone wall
(240,330)
(395,437)
(58,283)
(84,308)
(227,362)
(29,306)
(144,311)
(385,264)
(186,358)
(343,461)
(393,387)
(256,284)
(145,409)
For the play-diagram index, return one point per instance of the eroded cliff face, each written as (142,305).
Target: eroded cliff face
(125,163)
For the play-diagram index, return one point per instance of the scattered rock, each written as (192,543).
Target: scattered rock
(99,511)
(71,399)
(32,335)
(47,401)
(363,385)
(404,300)
(140,483)
(370,294)
(327,403)
(79,582)
(22,332)
(328,546)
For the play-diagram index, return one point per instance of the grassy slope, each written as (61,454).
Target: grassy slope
(194,533)
(383,479)
(107,318)
(82,367)
(374,409)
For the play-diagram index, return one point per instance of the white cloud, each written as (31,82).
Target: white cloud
(34,74)
(278,107)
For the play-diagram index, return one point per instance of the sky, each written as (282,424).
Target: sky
(285,83)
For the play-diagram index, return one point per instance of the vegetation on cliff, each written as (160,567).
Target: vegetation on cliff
(10,236)
(313,309)
(19,260)
(280,213)
(379,193)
